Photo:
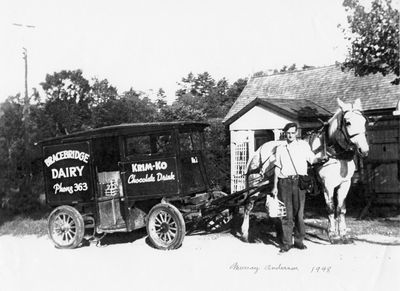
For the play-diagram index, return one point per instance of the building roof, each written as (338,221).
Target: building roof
(320,86)
(301,109)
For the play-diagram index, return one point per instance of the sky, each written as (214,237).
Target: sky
(153,44)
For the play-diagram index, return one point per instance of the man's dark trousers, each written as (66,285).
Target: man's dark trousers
(294,199)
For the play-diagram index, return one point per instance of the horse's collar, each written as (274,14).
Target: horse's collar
(336,151)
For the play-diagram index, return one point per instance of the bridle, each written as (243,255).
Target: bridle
(343,129)
(348,145)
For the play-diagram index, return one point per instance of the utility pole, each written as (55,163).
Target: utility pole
(25,115)
(25,111)
(25,57)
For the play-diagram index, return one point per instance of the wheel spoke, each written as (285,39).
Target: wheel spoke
(70,221)
(69,237)
(163,216)
(160,217)
(157,220)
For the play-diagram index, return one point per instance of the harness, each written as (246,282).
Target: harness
(340,146)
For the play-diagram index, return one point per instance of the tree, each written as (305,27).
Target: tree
(68,100)
(16,177)
(161,99)
(102,91)
(132,106)
(234,91)
(283,70)
(201,97)
(196,86)
(374,37)
(12,141)
(286,69)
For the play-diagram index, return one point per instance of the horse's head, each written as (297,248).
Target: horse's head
(353,125)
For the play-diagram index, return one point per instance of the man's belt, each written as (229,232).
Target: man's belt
(291,177)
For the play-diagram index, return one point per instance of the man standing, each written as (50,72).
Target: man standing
(291,161)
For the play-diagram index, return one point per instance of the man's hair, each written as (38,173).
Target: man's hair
(290,125)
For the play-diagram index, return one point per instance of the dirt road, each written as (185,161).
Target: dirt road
(204,262)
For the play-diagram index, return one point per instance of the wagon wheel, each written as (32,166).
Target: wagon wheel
(165,226)
(66,227)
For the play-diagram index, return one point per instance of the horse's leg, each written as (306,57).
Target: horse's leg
(341,209)
(251,180)
(246,219)
(330,207)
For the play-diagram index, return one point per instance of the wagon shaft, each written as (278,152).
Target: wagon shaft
(232,200)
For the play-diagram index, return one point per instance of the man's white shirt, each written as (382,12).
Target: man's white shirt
(300,153)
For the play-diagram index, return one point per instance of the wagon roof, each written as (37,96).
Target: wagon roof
(321,86)
(125,129)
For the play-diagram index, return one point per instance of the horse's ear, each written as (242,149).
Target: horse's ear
(341,103)
(357,104)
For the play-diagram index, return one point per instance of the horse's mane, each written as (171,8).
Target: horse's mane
(333,123)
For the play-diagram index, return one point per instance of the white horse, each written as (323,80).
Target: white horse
(343,138)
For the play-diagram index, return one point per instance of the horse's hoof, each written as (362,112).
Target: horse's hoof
(347,240)
(244,239)
(334,238)
(335,241)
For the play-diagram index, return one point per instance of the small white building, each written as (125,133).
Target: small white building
(261,121)
(267,103)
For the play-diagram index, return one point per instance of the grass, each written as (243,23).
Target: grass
(23,224)
(388,225)
(381,226)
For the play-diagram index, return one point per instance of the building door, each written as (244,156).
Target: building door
(262,136)
(383,161)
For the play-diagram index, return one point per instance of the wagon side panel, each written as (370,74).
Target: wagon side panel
(67,173)
(150,178)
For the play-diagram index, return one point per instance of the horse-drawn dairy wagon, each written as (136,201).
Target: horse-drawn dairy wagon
(129,176)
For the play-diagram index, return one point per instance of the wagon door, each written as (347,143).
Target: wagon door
(193,173)
(110,194)
(149,167)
